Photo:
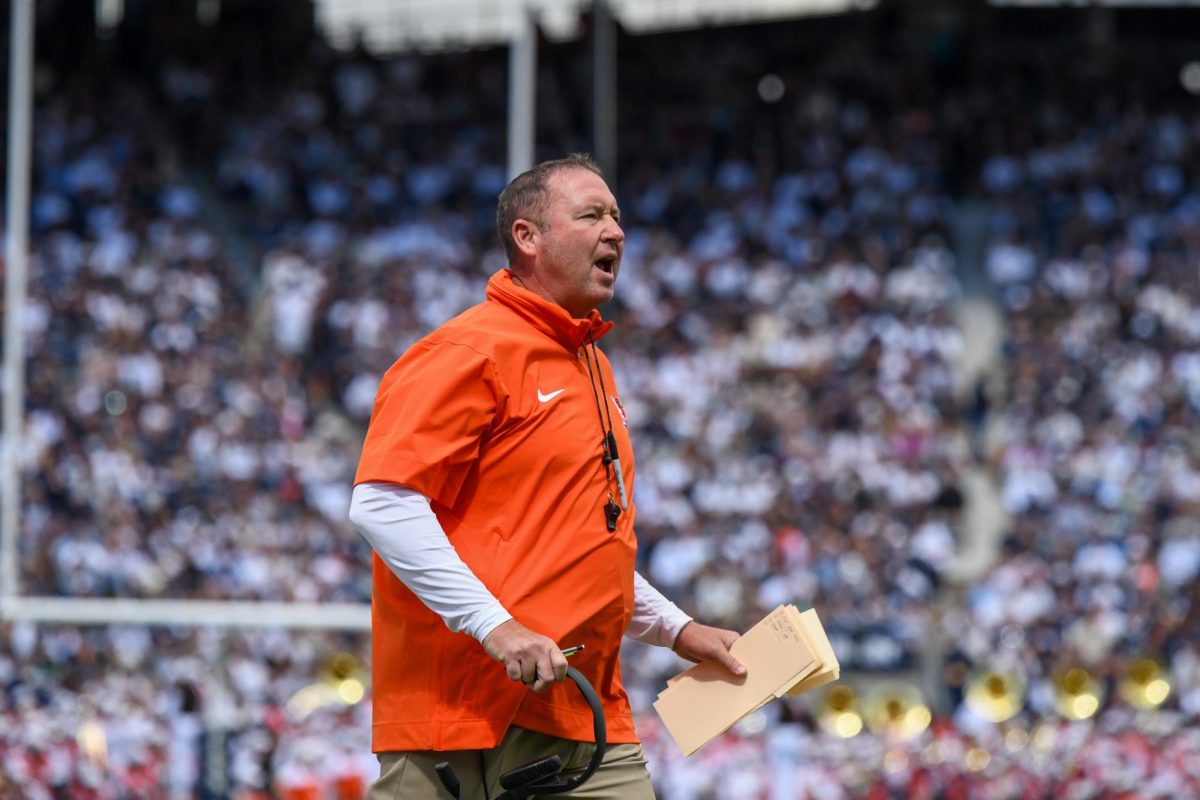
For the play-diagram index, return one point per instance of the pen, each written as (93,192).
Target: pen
(570,651)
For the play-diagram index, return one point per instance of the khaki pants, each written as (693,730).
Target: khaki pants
(410,775)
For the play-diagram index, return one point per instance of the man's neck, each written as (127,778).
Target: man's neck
(531,284)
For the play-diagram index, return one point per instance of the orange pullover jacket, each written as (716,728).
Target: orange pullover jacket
(494,417)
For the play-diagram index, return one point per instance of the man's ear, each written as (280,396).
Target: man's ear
(525,234)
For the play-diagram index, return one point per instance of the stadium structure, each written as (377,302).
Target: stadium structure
(908,327)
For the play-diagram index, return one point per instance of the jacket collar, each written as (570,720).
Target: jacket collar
(547,317)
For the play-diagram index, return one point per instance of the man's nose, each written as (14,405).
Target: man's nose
(613,232)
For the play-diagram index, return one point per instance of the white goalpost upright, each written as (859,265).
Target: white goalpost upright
(14,604)
(16,262)
(522,93)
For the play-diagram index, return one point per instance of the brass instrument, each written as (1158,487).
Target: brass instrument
(1144,685)
(996,696)
(897,710)
(342,683)
(838,712)
(1077,695)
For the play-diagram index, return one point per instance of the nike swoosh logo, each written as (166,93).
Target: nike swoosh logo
(546,398)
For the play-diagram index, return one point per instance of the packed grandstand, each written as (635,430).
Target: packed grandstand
(235,234)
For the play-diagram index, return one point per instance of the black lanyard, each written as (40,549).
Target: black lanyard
(612,458)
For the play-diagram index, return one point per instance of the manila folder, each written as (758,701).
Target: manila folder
(707,699)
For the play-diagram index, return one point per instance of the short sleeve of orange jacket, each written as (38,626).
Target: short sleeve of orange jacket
(433,409)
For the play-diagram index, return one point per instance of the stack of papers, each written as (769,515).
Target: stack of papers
(786,653)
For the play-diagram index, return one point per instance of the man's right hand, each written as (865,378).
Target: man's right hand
(529,657)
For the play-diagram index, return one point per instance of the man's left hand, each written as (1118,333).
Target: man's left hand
(697,642)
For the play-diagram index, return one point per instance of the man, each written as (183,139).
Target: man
(495,490)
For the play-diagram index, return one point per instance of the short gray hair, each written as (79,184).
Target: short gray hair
(525,196)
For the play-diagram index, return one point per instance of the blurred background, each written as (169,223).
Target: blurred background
(907,332)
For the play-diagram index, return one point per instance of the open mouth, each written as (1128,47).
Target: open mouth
(606,264)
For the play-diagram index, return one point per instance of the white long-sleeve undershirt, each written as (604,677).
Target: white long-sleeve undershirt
(402,528)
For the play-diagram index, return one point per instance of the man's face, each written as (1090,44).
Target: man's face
(579,249)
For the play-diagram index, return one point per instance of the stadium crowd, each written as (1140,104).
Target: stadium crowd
(786,351)
(159,445)
(160,438)
(1092,239)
